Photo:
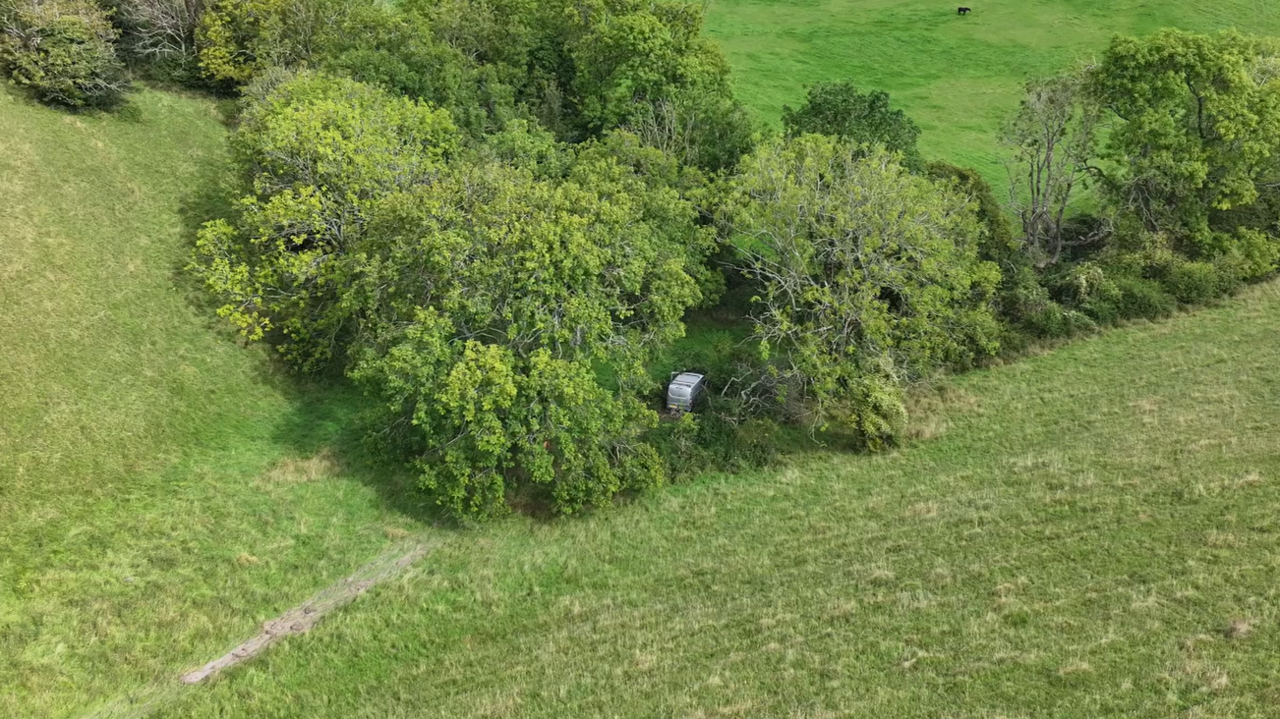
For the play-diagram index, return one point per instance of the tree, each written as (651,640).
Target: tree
(708,131)
(237,39)
(1053,138)
(63,51)
(501,300)
(630,52)
(317,154)
(839,110)
(1196,125)
(868,275)
(495,301)
(160,30)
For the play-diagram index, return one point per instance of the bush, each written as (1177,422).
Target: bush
(1142,299)
(1195,283)
(715,440)
(63,51)
(1053,321)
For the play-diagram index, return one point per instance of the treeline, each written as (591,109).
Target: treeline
(496,214)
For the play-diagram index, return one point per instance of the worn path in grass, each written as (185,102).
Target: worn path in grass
(959,77)
(162,492)
(1090,533)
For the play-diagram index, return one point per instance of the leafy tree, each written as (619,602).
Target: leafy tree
(998,244)
(1197,128)
(399,51)
(869,277)
(63,51)
(317,153)
(839,110)
(495,300)
(502,300)
(583,68)
(237,39)
(628,52)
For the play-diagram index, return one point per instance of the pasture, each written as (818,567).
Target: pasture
(162,490)
(1090,532)
(958,77)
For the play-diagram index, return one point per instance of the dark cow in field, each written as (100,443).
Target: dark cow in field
(964,11)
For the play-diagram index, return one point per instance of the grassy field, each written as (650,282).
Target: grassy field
(1089,533)
(1092,532)
(958,77)
(160,489)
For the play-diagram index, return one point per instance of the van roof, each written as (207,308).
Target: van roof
(686,379)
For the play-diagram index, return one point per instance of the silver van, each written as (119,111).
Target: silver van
(684,391)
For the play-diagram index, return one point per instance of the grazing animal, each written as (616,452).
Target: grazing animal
(964,11)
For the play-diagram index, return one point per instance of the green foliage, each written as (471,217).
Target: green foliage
(490,299)
(839,110)
(317,153)
(869,276)
(1139,298)
(625,52)
(63,51)
(707,130)
(399,51)
(998,243)
(583,68)
(719,439)
(1197,130)
(237,39)
(477,294)
(1195,283)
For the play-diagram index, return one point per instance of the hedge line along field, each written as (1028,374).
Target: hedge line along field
(960,78)
(1088,533)
(162,490)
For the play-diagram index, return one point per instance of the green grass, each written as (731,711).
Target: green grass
(1073,541)
(959,77)
(154,505)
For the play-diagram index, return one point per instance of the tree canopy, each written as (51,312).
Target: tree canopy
(869,276)
(838,109)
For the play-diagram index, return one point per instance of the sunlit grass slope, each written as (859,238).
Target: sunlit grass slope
(159,492)
(1089,533)
(959,77)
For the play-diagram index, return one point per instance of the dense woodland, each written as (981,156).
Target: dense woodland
(495,215)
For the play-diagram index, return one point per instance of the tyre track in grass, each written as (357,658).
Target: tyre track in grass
(391,563)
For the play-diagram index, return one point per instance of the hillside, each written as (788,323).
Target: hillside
(960,78)
(152,505)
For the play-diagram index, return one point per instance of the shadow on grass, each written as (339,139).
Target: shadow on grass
(329,416)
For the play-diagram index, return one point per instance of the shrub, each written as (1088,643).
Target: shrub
(1142,299)
(717,439)
(1052,322)
(63,51)
(1195,283)
(237,39)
